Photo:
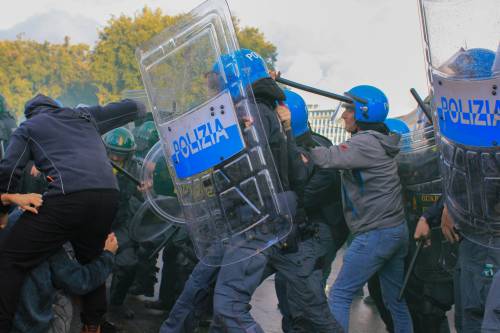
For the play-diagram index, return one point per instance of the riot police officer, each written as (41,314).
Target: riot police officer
(121,146)
(325,226)
(145,137)
(231,299)
(468,148)
(231,296)
(429,292)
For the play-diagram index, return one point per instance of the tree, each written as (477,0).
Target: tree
(28,67)
(76,74)
(252,38)
(114,66)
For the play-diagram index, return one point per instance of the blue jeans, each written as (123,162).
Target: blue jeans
(382,251)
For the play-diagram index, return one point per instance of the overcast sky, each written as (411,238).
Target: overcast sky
(330,44)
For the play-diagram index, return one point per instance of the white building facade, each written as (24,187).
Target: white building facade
(322,122)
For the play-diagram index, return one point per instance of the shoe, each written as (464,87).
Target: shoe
(91,329)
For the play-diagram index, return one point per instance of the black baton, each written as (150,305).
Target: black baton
(410,269)
(421,103)
(314,90)
(126,173)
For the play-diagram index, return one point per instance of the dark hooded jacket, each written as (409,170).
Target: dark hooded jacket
(322,193)
(65,145)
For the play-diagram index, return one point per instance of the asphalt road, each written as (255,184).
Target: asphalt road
(364,317)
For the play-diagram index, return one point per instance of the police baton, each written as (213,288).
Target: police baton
(316,91)
(420,243)
(421,103)
(126,173)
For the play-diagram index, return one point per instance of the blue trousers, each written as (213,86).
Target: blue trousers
(326,250)
(491,321)
(188,309)
(382,251)
(236,284)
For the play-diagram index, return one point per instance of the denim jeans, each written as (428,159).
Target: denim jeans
(382,251)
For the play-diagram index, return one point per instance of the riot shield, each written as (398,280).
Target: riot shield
(213,139)
(418,159)
(138,96)
(418,164)
(147,226)
(460,39)
(160,192)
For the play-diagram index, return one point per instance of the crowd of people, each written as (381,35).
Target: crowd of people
(69,215)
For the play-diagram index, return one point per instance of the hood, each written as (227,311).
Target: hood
(390,143)
(39,104)
(267,90)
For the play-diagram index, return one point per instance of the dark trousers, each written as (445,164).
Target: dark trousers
(83,218)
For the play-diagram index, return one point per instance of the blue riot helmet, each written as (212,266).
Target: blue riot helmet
(251,65)
(474,63)
(495,68)
(59,103)
(370,104)
(299,113)
(397,126)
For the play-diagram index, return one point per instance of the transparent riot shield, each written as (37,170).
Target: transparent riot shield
(418,164)
(160,192)
(461,41)
(137,95)
(146,225)
(213,139)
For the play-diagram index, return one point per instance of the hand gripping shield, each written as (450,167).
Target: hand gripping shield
(213,139)
(460,39)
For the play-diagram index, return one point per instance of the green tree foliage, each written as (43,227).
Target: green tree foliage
(78,74)
(114,66)
(28,67)
(253,38)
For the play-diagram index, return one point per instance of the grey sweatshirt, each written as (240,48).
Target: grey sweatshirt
(371,190)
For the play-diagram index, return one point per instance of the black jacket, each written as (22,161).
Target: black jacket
(322,197)
(291,169)
(65,145)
